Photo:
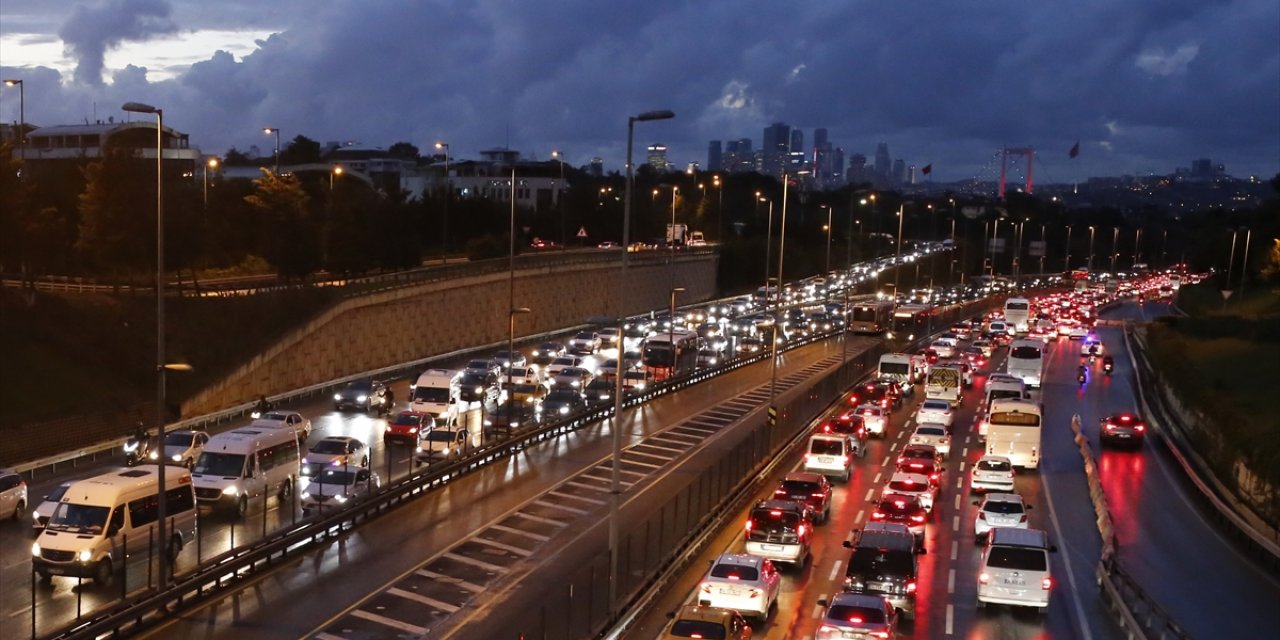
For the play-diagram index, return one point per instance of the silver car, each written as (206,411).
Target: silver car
(335,488)
(41,514)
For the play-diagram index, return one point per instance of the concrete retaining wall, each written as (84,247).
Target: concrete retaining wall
(390,327)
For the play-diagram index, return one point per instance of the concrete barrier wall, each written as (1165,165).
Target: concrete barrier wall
(390,327)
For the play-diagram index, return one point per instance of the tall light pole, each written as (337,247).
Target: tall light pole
(1115,239)
(1066,259)
(897,268)
(276,131)
(1137,247)
(335,171)
(559,156)
(448,195)
(138,107)
(1089,266)
(827,228)
(768,249)
(615,476)
(1044,249)
(22,117)
(671,235)
(671,329)
(1244,264)
(715,182)
(782,248)
(211,163)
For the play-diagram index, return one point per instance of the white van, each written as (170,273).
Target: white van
(104,520)
(1015,568)
(945,382)
(905,368)
(241,465)
(436,394)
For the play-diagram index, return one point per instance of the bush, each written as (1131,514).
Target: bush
(485,247)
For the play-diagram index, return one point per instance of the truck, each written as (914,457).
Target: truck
(696,239)
(943,383)
(677,234)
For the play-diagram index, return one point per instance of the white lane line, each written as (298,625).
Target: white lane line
(858,518)
(968,437)
(877,479)
(835,568)
(885,462)
(570,496)
(951,581)
(459,582)
(957,502)
(951,614)
(528,534)
(955,523)
(964,453)
(500,545)
(588,486)
(955,548)
(638,463)
(817,608)
(430,602)
(388,622)
(491,568)
(1066,560)
(959,482)
(643,454)
(541,519)
(552,505)
(870,492)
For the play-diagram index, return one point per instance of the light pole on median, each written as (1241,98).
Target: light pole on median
(1115,241)
(22,117)
(715,182)
(671,330)
(1091,232)
(334,172)
(559,156)
(897,267)
(276,131)
(1066,260)
(211,163)
(768,249)
(827,229)
(615,476)
(448,194)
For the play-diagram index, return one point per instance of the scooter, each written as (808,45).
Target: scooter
(1107,366)
(136,450)
(1082,377)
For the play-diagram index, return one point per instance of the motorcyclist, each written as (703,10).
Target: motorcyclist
(137,446)
(1108,363)
(262,407)
(1082,374)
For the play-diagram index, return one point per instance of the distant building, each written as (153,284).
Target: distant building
(596,168)
(899,174)
(657,158)
(883,164)
(819,137)
(775,146)
(797,141)
(715,156)
(738,156)
(62,146)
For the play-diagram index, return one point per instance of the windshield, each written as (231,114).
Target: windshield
(360,386)
(439,395)
(936,405)
(894,367)
(908,485)
(57,493)
(774,521)
(408,419)
(482,365)
(336,476)
(585,335)
(1018,558)
(999,394)
(525,388)
(228,465)
(887,562)
(178,439)
(698,629)
(565,396)
(329,446)
(931,431)
(1002,506)
(800,486)
(734,572)
(78,517)
(1025,353)
(441,436)
(855,614)
(825,447)
(564,362)
(657,355)
(1016,306)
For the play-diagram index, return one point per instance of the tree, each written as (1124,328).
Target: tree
(117,211)
(293,237)
(1271,265)
(236,158)
(301,150)
(403,150)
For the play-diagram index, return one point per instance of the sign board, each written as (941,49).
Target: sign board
(582,232)
(1036,248)
(1226,293)
(773,416)
(995,245)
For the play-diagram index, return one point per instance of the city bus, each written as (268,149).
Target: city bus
(871,317)
(1013,431)
(911,321)
(670,353)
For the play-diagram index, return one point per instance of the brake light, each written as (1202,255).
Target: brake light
(818,495)
(1110,426)
(413,430)
(982,515)
(1046,584)
(801,531)
(775,512)
(855,619)
(1022,518)
(879,634)
(917,518)
(826,427)
(983,578)
(749,525)
(706,588)
(1138,427)
(933,476)
(844,459)
(808,457)
(780,492)
(754,593)
(911,586)
(877,515)
(1125,418)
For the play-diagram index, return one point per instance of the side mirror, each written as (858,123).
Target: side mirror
(671,615)
(847,544)
(977,502)
(822,602)
(1053,548)
(1030,506)
(921,550)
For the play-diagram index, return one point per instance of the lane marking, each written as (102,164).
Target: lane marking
(957,502)
(857,519)
(528,534)
(964,453)
(541,519)
(570,496)
(459,582)
(430,602)
(492,568)
(835,568)
(955,523)
(959,482)
(505,547)
(388,622)
(870,492)
(551,505)
(817,608)
(955,548)
(587,486)
(951,614)
(951,581)
(1066,560)
(877,479)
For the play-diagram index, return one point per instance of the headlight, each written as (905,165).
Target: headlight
(361,398)
(35,548)
(337,397)
(154,455)
(229,491)
(85,555)
(305,495)
(418,450)
(130,447)
(564,410)
(339,498)
(479,389)
(177,457)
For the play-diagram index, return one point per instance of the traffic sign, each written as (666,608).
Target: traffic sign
(1226,293)
(582,232)
(773,416)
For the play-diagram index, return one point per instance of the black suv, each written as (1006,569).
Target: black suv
(884,563)
(884,392)
(366,395)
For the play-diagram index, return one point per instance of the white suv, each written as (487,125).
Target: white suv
(1015,569)
(935,411)
(992,473)
(999,510)
(13,495)
(747,584)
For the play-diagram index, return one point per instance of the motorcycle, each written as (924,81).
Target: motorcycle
(1107,366)
(137,449)
(261,408)
(1081,376)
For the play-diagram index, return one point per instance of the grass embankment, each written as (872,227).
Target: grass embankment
(74,354)
(1225,363)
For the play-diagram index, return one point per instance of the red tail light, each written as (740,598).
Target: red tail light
(1046,584)
(877,515)
(844,459)
(917,518)
(1023,518)
(749,524)
(801,531)
(982,515)
(818,495)
(983,578)
(1139,427)
(911,586)
(706,588)
(780,492)
(754,593)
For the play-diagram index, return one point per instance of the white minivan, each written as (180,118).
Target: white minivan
(436,393)
(1015,568)
(101,521)
(243,464)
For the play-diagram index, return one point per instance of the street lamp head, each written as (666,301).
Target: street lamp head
(337,171)
(654,115)
(270,130)
(138,107)
(12,83)
(213,163)
(520,310)
(678,290)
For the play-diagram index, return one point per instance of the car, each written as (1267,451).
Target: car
(986,346)
(562,402)
(406,426)
(708,358)
(576,378)
(600,390)
(586,342)
(886,393)
(874,418)
(181,447)
(912,484)
(547,352)
(779,530)
(999,510)
(884,564)
(521,375)
(975,356)
(478,387)
(848,423)
(935,411)
(608,244)
(832,454)
(562,362)
(991,473)
(511,416)
(943,348)
(1091,345)
(1122,428)
(43,511)
(336,452)
(608,369)
(897,508)
(528,393)
(934,435)
(365,395)
(13,495)
(634,381)
(482,367)
(443,443)
(694,621)
(285,420)
(1015,569)
(857,615)
(506,359)
(1078,331)
(333,488)
(930,467)
(811,488)
(747,584)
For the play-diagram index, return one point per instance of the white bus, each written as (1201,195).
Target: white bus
(246,463)
(1013,431)
(872,317)
(1026,361)
(1017,312)
(102,521)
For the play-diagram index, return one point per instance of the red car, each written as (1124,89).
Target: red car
(406,427)
(812,489)
(902,509)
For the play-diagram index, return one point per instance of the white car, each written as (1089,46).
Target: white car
(285,420)
(999,510)
(561,363)
(873,418)
(443,443)
(934,435)
(576,378)
(987,347)
(747,584)
(182,447)
(521,375)
(608,337)
(943,348)
(13,495)
(584,342)
(333,488)
(992,473)
(912,484)
(41,514)
(335,452)
(936,412)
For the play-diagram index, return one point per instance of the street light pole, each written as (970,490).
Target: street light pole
(768,250)
(715,182)
(1115,239)
(828,230)
(22,117)
(163,561)
(274,130)
(897,268)
(1091,232)
(1066,259)
(615,476)
(211,163)
(336,171)
(559,156)
(448,195)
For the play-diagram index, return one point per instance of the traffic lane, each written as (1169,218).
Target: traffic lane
(269,607)
(1166,543)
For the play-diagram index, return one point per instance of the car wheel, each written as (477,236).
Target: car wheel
(103,573)
(365,463)
(242,506)
(286,490)
(19,510)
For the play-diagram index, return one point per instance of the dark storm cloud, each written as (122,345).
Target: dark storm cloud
(1145,85)
(93,29)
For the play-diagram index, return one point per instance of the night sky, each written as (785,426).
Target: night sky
(1144,85)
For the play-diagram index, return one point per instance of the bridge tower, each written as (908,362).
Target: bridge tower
(1026,152)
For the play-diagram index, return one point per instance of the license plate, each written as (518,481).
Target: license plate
(724,591)
(771,547)
(826,459)
(1015,583)
(56,571)
(1122,435)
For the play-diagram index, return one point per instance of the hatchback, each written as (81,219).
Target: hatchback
(999,510)
(745,583)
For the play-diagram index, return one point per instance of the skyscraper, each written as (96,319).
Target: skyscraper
(819,137)
(715,158)
(899,170)
(883,163)
(775,146)
(797,141)
(658,156)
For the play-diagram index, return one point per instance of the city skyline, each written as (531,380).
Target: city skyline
(1171,83)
